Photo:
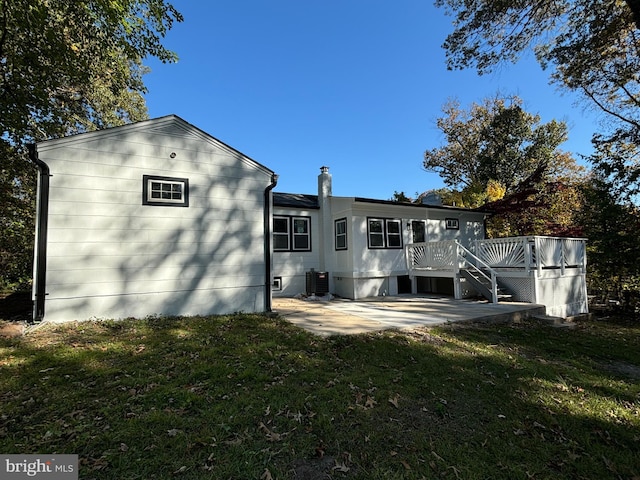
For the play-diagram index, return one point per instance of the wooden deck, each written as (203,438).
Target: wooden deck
(544,270)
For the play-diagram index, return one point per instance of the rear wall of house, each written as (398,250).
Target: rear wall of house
(290,267)
(110,256)
(380,271)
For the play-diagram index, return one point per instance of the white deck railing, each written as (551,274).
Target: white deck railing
(533,253)
(432,255)
(520,253)
(538,269)
(449,257)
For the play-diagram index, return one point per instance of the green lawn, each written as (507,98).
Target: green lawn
(248,396)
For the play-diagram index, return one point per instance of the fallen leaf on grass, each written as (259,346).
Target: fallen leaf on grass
(271,435)
(340,467)
(370,403)
(394,400)
(405,465)
(266,475)
(173,432)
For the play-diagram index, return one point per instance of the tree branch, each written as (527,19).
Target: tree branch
(634,5)
(605,109)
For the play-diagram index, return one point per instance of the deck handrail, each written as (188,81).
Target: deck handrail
(533,252)
(430,255)
(492,277)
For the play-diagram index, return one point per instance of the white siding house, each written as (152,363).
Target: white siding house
(361,242)
(159,217)
(156,217)
(367,247)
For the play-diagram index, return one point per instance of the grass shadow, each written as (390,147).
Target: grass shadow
(250,396)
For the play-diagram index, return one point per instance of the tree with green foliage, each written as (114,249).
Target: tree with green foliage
(496,140)
(612,227)
(499,157)
(65,67)
(590,47)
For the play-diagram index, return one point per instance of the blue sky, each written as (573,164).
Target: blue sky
(354,85)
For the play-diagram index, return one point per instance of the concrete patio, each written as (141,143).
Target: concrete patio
(344,317)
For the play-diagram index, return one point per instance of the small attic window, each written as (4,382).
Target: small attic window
(452,224)
(167,191)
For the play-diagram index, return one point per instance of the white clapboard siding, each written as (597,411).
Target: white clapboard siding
(291,267)
(107,251)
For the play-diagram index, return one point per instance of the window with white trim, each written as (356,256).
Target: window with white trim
(165,191)
(341,234)
(291,233)
(394,233)
(301,233)
(452,224)
(384,232)
(281,234)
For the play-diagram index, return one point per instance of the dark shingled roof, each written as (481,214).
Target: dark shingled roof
(296,200)
(419,205)
(300,200)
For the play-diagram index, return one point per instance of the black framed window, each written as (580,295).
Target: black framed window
(291,233)
(301,233)
(281,235)
(165,191)
(394,233)
(341,234)
(384,232)
(452,224)
(418,231)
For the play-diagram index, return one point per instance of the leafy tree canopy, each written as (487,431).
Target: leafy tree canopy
(65,67)
(613,248)
(589,46)
(495,141)
(499,157)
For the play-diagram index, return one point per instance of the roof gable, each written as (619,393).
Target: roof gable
(167,126)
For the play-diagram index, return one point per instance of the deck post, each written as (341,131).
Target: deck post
(457,287)
(538,255)
(528,255)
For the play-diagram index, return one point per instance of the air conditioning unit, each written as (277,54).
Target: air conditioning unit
(317,283)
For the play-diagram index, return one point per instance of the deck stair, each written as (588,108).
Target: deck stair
(543,270)
(482,284)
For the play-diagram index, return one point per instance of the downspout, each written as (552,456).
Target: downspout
(267,242)
(42,220)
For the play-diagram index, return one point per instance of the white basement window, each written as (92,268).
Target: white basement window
(167,191)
